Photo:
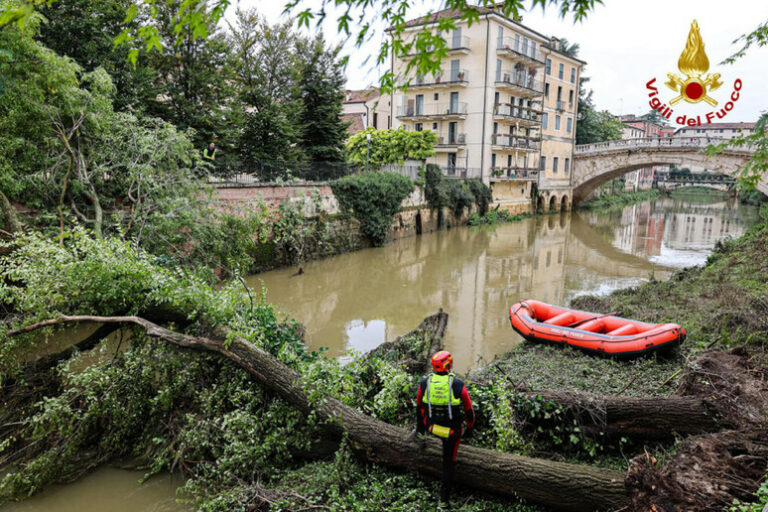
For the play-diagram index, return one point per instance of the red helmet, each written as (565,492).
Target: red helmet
(442,361)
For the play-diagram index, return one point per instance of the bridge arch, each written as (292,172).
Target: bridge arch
(596,164)
(553,203)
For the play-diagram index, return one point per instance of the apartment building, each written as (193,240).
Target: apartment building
(558,124)
(498,115)
(716,130)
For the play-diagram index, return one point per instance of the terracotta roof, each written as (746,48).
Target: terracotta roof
(361,96)
(356,123)
(721,126)
(439,15)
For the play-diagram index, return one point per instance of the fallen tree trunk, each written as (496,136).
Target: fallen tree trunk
(558,485)
(639,418)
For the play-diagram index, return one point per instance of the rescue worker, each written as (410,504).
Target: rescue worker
(209,153)
(442,405)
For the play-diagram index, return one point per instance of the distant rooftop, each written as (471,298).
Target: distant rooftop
(361,96)
(721,126)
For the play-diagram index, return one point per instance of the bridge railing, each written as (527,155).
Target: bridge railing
(653,142)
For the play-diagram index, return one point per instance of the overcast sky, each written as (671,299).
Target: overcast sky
(625,44)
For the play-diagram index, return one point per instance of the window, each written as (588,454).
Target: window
(455,70)
(549,66)
(419,103)
(543,163)
(524,50)
(557,122)
(559,93)
(456,39)
(567,165)
(496,98)
(546,90)
(500,38)
(498,70)
(517,42)
(434,127)
(493,159)
(418,127)
(560,71)
(554,165)
(509,160)
(454,102)
(573,75)
(452,132)
(495,128)
(436,96)
(570,97)
(452,161)
(375,119)
(568,125)
(544,119)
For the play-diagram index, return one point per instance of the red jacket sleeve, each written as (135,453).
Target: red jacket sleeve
(469,412)
(421,416)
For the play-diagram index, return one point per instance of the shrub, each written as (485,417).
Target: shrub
(374,199)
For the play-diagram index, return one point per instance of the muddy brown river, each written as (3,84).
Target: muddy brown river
(354,302)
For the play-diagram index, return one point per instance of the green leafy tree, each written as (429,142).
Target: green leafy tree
(595,125)
(374,198)
(321,89)
(390,146)
(85,30)
(191,77)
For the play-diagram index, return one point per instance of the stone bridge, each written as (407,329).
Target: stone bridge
(595,164)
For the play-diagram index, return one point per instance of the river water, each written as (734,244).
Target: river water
(356,301)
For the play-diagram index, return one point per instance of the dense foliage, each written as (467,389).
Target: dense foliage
(390,146)
(373,198)
(456,195)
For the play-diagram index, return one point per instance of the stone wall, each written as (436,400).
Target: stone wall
(512,196)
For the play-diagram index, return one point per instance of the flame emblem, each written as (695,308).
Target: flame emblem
(693,63)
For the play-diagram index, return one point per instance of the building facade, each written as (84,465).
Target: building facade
(366,106)
(716,130)
(495,109)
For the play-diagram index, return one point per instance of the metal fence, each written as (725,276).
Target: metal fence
(248,172)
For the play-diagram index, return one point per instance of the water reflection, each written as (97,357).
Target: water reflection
(107,489)
(358,300)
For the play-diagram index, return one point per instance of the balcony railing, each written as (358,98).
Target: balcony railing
(560,105)
(515,173)
(457,77)
(518,112)
(519,79)
(516,49)
(457,43)
(458,109)
(515,141)
(451,139)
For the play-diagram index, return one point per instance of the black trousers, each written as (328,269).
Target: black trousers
(450,450)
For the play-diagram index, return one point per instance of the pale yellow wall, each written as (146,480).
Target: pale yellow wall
(558,141)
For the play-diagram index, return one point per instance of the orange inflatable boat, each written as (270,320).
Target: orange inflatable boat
(592,332)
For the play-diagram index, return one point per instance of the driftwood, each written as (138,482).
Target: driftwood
(557,485)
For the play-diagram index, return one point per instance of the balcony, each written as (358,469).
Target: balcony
(452,78)
(450,142)
(457,45)
(514,173)
(525,116)
(520,83)
(512,48)
(433,111)
(509,142)
(560,105)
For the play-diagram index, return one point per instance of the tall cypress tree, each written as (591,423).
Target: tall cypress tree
(321,88)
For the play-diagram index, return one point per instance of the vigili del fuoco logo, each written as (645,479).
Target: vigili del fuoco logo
(694,85)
